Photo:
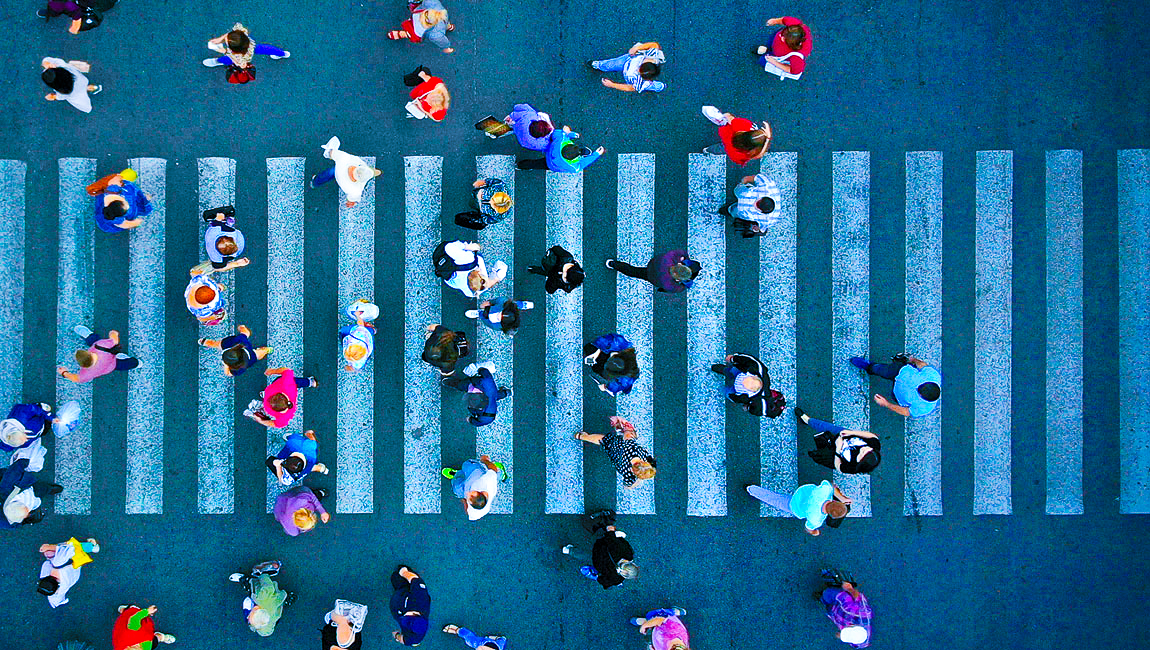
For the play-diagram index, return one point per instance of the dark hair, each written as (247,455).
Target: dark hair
(539,128)
(238,41)
(749,140)
(227,245)
(235,357)
(649,70)
(479,501)
(293,464)
(794,36)
(616,365)
(47,586)
(509,321)
(59,80)
(114,210)
(866,464)
(279,403)
(446,349)
(929,391)
(766,205)
(575,275)
(571,151)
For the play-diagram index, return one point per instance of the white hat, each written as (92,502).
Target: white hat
(853,634)
(260,618)
(13,433)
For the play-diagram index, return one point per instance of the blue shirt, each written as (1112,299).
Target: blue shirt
(554,154)
(138,206)
(807,503)
(299,443)
(906,385)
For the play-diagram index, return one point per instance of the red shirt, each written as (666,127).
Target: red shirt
(421,90)
(727,133)
(285,384)
(779,46)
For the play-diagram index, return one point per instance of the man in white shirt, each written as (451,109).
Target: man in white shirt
(350,172)
(462,267)
(476,485)
(757,200)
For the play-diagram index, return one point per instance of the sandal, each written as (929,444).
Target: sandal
(451,629)
(578,435)
(397,34)
(450,27)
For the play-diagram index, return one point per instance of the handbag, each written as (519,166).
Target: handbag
(238,75)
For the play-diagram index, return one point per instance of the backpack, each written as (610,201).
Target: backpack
(445,267)
(238,75)
(775,405)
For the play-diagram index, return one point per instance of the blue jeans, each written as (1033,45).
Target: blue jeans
(612,65)
(475,641)
(821,425)
(460,481)
(326,176)
(778,500)
(260,49)
(731,373)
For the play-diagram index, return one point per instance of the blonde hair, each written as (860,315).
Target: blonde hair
(476,280)
(433,16)
(355,351)
(677,643)
(85,358)
(304,519)
(643,470)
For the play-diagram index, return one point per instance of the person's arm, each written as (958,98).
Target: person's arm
(115,336)
(850,589)
(243,329)
(479,183)
(486,460)
(344,634)
(315,504)
(785,67)
(897,408)
(651,622)
(839,493)
(916,362)
(812,533)
(627,88)
(775,21)
(131,223)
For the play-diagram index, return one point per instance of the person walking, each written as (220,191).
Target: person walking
(560,269)
(223,242)
(666,627)
(850,452)
(23,496)
(429,95)
(299,508)
(265,601)
(102,357)
(475,483)
(741,139)
(475,641)
(847,608)
(350,172)
(532,127)
(613,363)
(633,463)
(342,626)
(61,568)
(357,341)
(296,459)
(611,561)
(204,298)
(70,8)
(134,629)
(410,606)
(817,504)
(562,154)
(461,267)
(483,394)
(25,425)
(917,385)
(237,49)
(748,384)
(671,272)
(236,351)
(69,82)
(640,67)
(443,348)
(790,45)
(278,402)
(756,204)
(119,203)
(501,314)
(428,22)
(492,204)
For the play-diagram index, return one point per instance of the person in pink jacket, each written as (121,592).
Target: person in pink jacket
(666,628)
(278,402)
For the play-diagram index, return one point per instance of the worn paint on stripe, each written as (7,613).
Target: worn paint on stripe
(146,409)
(1134,329)
(565,352)
(285,294)
(1064,332)
(498,241)
(12,176)
(634,312)
(74,306)
(422,458)
(850,307)
(777,298)
(216,430)
(355,391)
(994,188)
(706,338)
(922,472)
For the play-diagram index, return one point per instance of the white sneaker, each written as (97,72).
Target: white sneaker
(527,304)
(762,49)
(235,577)
(471,370)
(212,62)
(714,115)
(285,56)
(567,549)
(490,365)
(82,331)
(471,313)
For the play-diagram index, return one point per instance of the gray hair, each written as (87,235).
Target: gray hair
(627,569)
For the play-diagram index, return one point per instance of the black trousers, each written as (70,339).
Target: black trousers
(532,163)
(638,272)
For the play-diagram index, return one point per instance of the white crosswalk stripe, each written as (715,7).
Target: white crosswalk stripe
(1134,329)
(13,174)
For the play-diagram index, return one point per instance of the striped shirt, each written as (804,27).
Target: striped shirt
(749,195)
(631,71)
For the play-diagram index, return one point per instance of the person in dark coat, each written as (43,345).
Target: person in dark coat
(749,385)
(612,360)
(483,394)
(23,495)
(671,272)
(611,558)
(410,606)
(560,269)
(443,348)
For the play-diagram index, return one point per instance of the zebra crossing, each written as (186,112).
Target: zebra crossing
(705,456)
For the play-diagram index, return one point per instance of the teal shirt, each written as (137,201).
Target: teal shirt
(555,160)
(807,503)
(906,385)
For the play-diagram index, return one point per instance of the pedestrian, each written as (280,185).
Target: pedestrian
(817,504)
(102,357)
(237,49)
(475,484)
(633,462)
(640,67)
(747,383)
(299,508)
(265,601)
(428,22)
(671,272)
(847,607)
(562,154)
(613,363)
(475,641)
(850,452)
(70,8)
(357,341)
(429,95)
(789,48)
(483,394)
(25,424)
(917,385)
(756,204)
(741,139)
(666,627)
(223,242)
(460,266)
(350,172)
(532,127)
(134,629)
(69,82)
(410,606)
(338,633)
(501,314)
(236,351)
(61,568)
(611,561)
(492,204)
(23,495)
(560,269)
(119,203)
(280,399)
(204,298)
(443,348)
(296,459)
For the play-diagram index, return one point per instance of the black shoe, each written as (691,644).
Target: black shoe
(55,489)
(320,493)
(719,368)
(591,64)
(901,357)
(799,413)
(42,14)
(605,512)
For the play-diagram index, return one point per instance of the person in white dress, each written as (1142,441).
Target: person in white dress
(350,172)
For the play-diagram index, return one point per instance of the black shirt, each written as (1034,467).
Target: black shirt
(605,556)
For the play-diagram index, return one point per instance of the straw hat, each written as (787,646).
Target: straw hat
(501,201)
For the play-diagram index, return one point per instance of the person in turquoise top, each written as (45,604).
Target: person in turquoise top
(817,504)
(917,385)
(562,154)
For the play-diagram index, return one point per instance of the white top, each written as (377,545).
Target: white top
(460,255)
(66,574)
(488,482)
(79,95)
(18,497)
(361,335)
(344,162)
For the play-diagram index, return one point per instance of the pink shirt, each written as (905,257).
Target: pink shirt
(105,362)
(285,384)
(779,47)
(668,631)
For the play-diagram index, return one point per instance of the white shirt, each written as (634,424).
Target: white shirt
(344,162)
(488,482)
(461,256)
(66,574)
(18,497)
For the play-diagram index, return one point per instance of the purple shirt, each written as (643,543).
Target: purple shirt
(522,115)
(845,611)
(292,500)
(659,271)
(67,7)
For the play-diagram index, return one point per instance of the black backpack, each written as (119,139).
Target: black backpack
(776,403)
(445,267)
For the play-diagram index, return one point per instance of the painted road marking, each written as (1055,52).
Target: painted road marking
(1134,329)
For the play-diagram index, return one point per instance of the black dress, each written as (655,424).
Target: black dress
(552,267)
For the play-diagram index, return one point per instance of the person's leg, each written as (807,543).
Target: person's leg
(458,382)
(638,272)
(611,65)
(472,639)
(580,555)
(91,339)
(224,60)
(716,149)
(532,163)
(885,370)
(504,393)
(778,500)
(828,596)
(124,362)
(537,270)
(270,50)
(304,382)
(325,176)
(824,427)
